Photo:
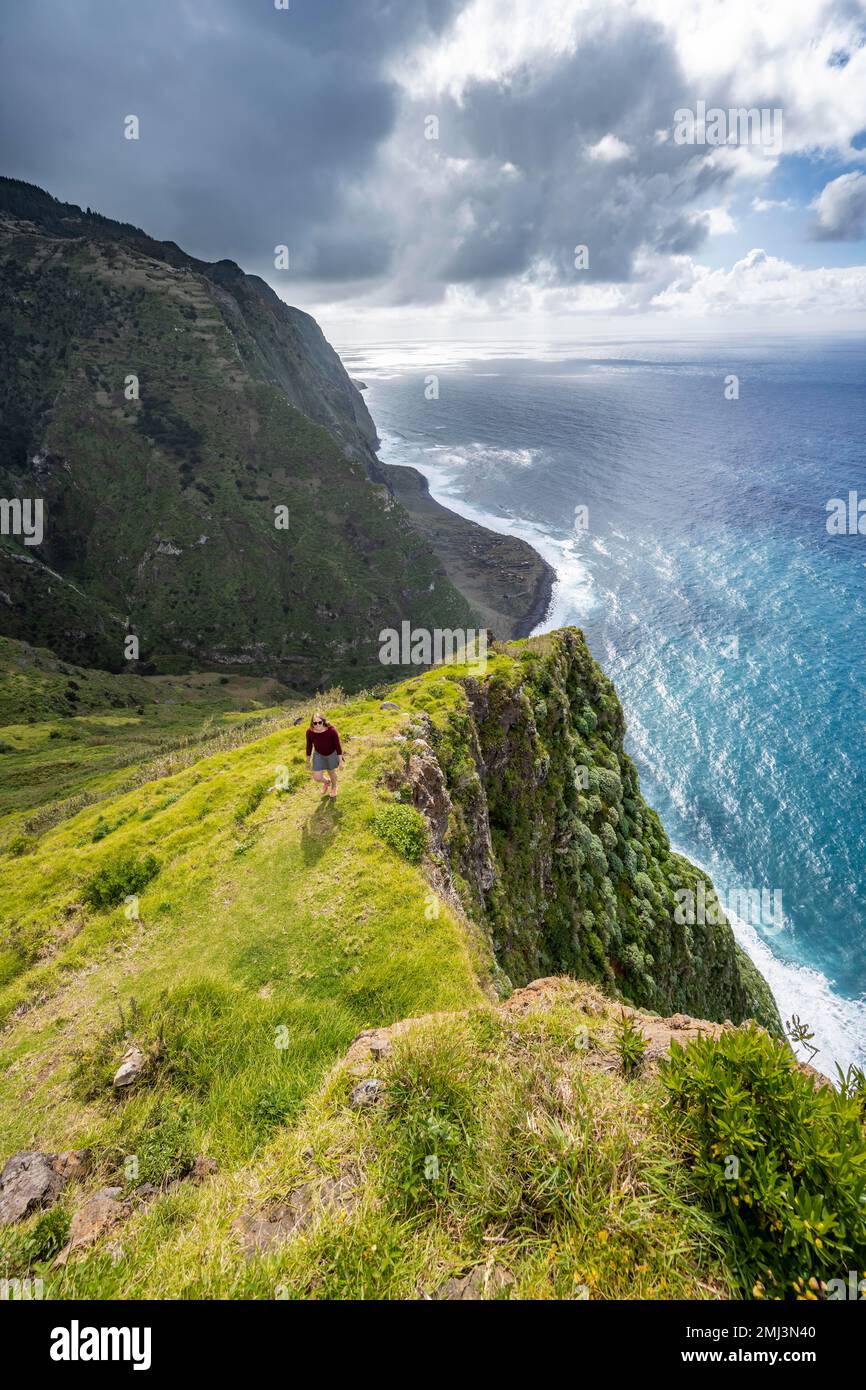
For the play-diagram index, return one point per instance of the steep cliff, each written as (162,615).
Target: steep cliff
(547,841)
(333,1089)
(205,465)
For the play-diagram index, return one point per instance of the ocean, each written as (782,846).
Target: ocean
(680,492)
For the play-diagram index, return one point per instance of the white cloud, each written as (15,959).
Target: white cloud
(841,209)
(720,221)
(763,283)
(484,222)
(609,149)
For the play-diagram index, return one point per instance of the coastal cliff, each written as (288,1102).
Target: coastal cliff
(207,471)
(317,1060)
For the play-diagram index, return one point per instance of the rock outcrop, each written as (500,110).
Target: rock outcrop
(537,826)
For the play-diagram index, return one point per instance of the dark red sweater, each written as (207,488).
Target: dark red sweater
(326,741)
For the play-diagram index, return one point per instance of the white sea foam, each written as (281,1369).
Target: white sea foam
(573,588)
(837,1023)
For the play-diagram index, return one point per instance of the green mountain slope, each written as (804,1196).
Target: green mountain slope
(161,493)
(202,905)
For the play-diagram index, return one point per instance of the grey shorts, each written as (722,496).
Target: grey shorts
(325,760)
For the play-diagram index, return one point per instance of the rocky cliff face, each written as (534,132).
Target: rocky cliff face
(541,832)
(163,410)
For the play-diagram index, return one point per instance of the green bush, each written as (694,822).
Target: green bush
(631,1044)
(404,829)
(163,1145)
(20,1249)
(784,1162)
(118,879)
(21,844)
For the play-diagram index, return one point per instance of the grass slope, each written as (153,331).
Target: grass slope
(269,930)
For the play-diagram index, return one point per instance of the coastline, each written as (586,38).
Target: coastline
(505,579)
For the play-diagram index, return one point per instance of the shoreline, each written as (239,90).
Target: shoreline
(502,576)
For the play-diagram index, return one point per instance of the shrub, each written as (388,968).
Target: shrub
(631,1044)
(163,1146)
(784,1162)
(20,1250)
(118,879)
(21,844)
(404,829)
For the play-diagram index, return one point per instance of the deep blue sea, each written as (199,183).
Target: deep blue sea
(732,623)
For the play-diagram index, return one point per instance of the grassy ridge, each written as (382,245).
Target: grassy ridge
(272,928)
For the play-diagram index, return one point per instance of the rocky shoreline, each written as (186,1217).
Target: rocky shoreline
(504,578)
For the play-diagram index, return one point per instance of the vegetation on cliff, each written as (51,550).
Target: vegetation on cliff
(199,908)
(552,847)
(205,463)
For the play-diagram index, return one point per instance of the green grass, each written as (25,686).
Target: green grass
(560,1172)
(208,905)
(275,930)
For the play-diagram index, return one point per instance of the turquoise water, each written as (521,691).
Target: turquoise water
(732,623)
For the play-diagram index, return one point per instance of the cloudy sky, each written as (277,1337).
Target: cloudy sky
(432,165)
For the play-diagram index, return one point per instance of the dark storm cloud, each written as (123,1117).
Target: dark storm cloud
(258,125)
(536,184)
(263,127)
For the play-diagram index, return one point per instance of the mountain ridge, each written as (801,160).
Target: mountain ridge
(164,408)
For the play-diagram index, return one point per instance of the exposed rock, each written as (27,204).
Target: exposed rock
(29,1180)
(132,1065)
(73,1165)
(389,704)
(260,1230)
(366,1093)
(98,1214)
(484,1281)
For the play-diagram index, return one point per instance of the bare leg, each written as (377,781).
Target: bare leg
(320,778)
(333,776)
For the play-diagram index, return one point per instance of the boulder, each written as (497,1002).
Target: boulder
(73,1165)
(29,1180)
(365,1093)
(132,1065)
(98,1214)
(484,1281)
(260,1230)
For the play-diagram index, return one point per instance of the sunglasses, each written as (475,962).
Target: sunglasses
(317,721)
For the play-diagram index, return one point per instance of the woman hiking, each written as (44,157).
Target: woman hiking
(323,742)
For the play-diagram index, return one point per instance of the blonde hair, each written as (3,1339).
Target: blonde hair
(318,714)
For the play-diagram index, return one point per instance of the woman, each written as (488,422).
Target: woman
(323,742)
